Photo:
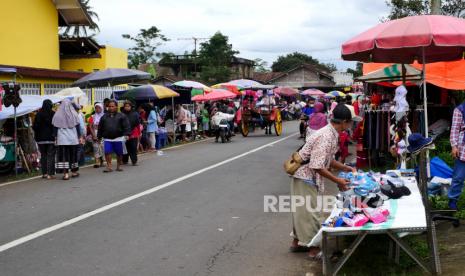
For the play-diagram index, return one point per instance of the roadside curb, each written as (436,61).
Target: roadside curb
(88,166)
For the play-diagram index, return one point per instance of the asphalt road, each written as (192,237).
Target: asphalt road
(207,218)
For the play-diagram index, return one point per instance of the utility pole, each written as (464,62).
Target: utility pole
(195,39)
(436,7)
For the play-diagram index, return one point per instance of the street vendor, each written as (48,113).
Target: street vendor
(457,141)
(318,156)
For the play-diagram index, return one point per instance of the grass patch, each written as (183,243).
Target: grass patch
(371,257)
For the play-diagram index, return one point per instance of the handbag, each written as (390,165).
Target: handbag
(293,163)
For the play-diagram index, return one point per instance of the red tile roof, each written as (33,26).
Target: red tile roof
(264,78)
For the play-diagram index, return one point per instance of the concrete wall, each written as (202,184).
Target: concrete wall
(302,78)
(110,58)
(29,34)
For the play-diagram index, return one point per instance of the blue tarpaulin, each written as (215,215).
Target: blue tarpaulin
(440,168)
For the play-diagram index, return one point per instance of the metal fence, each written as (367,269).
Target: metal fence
(101,93)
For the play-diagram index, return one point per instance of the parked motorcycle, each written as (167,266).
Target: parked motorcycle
(224,131)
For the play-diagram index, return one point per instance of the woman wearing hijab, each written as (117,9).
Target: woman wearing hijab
(316,120)
(97,146)
(68,132)
(44,136)
(152,126)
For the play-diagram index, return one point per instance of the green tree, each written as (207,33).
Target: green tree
(358,70)
(215,57)
(80,30)
(454,7)
(261,66)
(403,8)
(146,43)
(293,60)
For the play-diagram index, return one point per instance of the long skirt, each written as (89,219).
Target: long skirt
(306,223)
(67,159)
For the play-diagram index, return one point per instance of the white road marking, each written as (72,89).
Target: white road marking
(84,216)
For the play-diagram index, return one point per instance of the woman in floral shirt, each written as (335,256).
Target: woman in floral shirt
(318,154)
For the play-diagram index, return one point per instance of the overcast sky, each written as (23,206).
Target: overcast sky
(257,28)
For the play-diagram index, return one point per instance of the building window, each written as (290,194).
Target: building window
(29,88)
(53,88)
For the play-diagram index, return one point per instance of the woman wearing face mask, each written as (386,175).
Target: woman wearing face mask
(307,182)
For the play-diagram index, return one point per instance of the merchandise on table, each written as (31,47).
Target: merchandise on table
(363,202)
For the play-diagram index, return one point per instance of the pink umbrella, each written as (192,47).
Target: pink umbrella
(215,95)
(313,92)
(426,38)
(286,91)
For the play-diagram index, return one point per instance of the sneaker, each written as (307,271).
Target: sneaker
(452,204)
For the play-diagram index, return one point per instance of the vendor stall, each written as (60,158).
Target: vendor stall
(395,217)
(17,121)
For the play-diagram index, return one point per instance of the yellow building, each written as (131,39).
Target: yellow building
(46,62)
(107,57)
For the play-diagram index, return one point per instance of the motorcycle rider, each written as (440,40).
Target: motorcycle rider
(216,121)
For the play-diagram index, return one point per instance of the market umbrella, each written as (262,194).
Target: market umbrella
(286,91)
(245,83)
(148,92)
(312,92)
(191,84)
(425,38)
(250,84)
(197,88)
(215,95)
(76,93)
(236,89)
(336,93)
(394,72)
(110,77)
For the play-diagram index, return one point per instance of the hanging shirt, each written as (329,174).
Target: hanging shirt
(457,133)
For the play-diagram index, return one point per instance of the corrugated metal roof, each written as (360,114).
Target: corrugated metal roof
(72,13)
